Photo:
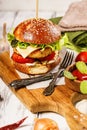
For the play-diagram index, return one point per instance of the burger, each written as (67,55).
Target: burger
(35,46)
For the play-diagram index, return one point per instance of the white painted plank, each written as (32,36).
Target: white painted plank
(23,15)
(8,18)
(12,110)
(49,5)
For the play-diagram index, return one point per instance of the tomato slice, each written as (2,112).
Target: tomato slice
(79,75)
(18,58)
(48,58)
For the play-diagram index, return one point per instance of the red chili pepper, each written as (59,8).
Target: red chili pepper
(14,125)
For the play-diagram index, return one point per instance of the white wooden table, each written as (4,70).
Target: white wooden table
(11,109)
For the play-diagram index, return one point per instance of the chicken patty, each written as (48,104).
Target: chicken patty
(41,53)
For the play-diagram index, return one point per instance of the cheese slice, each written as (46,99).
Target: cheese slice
(27,51)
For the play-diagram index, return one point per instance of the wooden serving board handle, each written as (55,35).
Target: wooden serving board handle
(61,101)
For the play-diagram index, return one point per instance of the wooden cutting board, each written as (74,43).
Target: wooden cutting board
(61,101)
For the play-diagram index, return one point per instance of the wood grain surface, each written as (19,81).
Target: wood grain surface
(61,101)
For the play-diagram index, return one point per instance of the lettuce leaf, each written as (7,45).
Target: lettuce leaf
(65,41)
(23,45)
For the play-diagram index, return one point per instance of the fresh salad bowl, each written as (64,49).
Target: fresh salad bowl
(74,84)
(76,74)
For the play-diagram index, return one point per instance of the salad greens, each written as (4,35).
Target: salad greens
(75,40)
(82,67)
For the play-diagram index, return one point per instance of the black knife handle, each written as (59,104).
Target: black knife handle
(20,83)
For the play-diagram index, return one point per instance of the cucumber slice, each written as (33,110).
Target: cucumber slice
(83,87)
(82,67)
(69,75)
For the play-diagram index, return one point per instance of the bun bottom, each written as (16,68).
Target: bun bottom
(36,69)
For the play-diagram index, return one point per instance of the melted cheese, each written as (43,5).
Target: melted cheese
(27,51)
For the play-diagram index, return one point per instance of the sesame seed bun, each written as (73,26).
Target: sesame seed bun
(37,31)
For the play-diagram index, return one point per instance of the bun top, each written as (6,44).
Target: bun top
(39,31)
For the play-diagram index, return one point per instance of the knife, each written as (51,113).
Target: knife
(20,83)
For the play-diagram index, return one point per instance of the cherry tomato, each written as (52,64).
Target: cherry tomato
(79,75)
(49,57)
(18,58)
(82,56)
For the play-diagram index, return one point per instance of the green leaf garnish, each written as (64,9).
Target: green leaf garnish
(69,75)
(82,67)
(83,87)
